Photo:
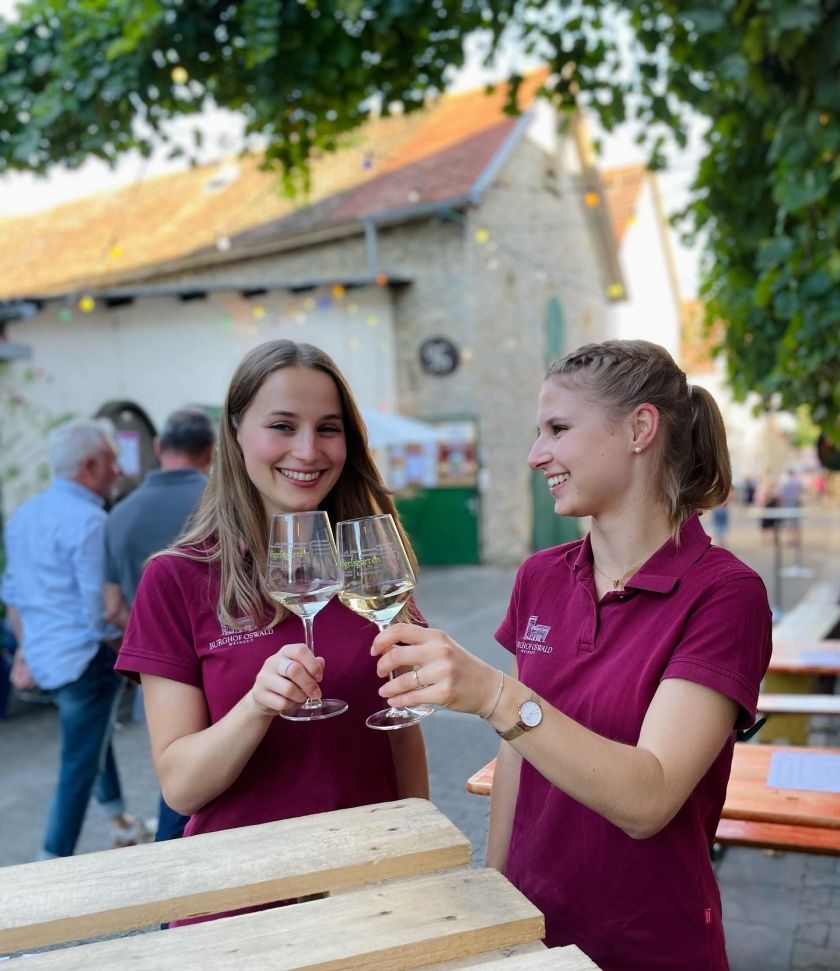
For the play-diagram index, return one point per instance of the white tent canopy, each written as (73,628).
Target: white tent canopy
(405,450)
(384,430)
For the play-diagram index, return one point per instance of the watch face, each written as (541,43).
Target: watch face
(530,713)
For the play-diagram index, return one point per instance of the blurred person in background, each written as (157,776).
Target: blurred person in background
(791,491)
(52,588)
(720,523)
(148,521)
(767,497)
(749,490)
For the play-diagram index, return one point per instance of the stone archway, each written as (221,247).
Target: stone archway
(135,436)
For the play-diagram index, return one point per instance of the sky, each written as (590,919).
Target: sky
(22,193)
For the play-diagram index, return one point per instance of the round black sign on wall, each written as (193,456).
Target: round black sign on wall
(439,355)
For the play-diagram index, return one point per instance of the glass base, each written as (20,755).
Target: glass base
(329,708)
(390,718)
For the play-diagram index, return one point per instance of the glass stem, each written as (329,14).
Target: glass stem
(311,703)
(392,712)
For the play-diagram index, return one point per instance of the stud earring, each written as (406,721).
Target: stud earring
(637,449)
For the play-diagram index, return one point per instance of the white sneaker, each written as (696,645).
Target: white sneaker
(137,831)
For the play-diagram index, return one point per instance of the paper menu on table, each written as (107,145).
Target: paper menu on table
(804,770)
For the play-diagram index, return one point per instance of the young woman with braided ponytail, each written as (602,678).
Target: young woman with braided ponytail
(639,652)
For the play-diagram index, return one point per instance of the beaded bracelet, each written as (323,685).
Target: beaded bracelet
(498,696)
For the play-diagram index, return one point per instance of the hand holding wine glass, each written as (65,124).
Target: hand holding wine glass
(302,575)
(376,581)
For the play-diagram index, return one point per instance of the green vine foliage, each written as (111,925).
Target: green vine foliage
(24,426)
(82,78)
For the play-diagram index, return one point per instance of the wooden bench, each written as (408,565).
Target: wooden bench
(795,704)
(813,618)
(799,639)
(778,836)
(394,883)
(804,661)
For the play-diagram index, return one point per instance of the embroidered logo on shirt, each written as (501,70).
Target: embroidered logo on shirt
(231,636)
(535,631)
(535,637)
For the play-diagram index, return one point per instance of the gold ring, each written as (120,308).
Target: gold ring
(417,680)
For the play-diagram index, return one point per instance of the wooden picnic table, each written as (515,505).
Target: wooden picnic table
(765,817)
(388,886)
(814,657)
(754,813)
(803,649)
(749,797)
(813,617)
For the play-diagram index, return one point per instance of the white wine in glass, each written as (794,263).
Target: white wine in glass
(303,576)
(376,582)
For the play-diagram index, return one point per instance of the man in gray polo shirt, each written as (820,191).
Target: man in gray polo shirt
(150,519)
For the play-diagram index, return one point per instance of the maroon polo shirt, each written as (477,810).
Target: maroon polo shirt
(695,612)
(299,767)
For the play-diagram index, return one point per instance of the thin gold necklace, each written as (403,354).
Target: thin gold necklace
(618,582)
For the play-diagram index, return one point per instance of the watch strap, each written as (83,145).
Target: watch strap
(512,733)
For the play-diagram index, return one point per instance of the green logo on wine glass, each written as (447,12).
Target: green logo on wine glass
(361,563)
(288,554)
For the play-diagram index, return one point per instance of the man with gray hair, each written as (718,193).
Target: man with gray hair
(52,587)
(149,520)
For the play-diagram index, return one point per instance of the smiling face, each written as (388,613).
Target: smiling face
(292,439)
(584,453)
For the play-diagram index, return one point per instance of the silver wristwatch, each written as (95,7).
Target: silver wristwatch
(530,715)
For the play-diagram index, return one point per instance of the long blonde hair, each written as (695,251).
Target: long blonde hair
(229,526)
(693,467)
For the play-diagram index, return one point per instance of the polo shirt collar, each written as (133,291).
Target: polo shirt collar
(171,475)
(70,486)
(663,569)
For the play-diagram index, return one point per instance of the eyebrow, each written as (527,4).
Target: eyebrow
(294,414)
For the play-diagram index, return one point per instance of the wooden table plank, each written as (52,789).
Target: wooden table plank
(390,927)
(749,797)
(55,901)
(808,621)
(823,591)
(568,958)
(481,782)
(826,644)
(803,657)
(770,703)
(523,951)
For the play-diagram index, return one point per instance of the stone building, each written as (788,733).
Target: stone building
(441,257)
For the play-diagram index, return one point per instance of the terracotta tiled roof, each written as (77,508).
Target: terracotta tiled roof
(429,156)
(622,187)
(697,350)
(449,174)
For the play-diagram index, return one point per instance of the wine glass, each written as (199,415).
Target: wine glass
(303,576)
(376,581)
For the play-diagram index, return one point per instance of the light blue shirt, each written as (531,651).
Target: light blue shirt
(55,549)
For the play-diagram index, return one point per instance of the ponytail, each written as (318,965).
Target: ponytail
(708,477)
